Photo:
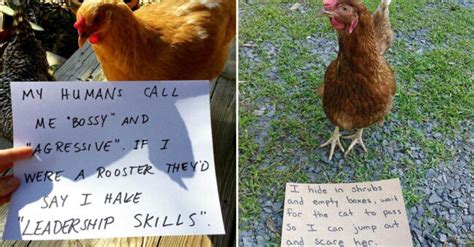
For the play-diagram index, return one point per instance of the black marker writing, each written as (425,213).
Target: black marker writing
(185,166)
(154,221)
(31,93)
(43,176)
(54,201)
(85,202)
(156,92)
(40,123)
(65,227)
(165,144)
(140,143)
(135,120)
(91,94)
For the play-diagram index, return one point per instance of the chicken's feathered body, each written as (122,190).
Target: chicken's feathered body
(359,85)
(171,40)
(24,60)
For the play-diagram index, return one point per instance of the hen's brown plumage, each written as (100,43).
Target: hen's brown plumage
(359,85)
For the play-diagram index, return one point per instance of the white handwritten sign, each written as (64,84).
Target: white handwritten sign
(113,160)
(358,214)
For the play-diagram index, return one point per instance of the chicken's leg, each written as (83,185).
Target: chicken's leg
(334,140)
(356,139)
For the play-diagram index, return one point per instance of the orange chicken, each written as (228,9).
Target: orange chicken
(170,40)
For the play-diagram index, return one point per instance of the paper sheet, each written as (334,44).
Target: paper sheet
(113,160)
(358,214)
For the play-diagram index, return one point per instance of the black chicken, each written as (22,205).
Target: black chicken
(6,31)
(24,59)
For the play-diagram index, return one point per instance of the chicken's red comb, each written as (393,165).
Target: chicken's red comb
(329,4)
(81,21)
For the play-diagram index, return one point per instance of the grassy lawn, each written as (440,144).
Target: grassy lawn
(283,57)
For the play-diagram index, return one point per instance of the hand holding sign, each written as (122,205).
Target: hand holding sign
(8,184)
(113,160)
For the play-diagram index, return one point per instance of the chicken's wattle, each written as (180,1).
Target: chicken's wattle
(337,24)
(353,25)
(94,39)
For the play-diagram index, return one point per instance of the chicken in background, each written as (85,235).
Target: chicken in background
(23,60)
(359,85)
(170,40)
(6,32)
(59,37)
(6,29)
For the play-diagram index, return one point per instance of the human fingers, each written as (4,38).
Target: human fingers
(14,154)
(8,184)
(4,167)
(5,199)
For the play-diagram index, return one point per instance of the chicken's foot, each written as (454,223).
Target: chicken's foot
(356,139)
(334,140)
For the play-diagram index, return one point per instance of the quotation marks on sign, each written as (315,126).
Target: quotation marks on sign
(203,213)
(64,226)
(97,120)
(73,147)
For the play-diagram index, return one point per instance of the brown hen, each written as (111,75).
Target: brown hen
(359,85)
(170,40)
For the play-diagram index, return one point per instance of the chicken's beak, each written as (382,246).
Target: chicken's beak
(81,41)
(80,25)
(327,13)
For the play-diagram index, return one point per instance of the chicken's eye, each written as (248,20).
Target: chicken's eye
(98,19)
(345,9)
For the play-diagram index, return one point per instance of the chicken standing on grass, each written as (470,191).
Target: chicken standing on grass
(359,85)
(24,59)
(171,40)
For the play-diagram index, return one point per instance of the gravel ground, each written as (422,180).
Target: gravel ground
(444,216)
(447,216)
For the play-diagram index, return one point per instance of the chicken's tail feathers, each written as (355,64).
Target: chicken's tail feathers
(386,3)
(320,91)
(383,29)
(383,7)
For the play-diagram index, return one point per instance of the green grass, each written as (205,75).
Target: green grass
(282,122)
